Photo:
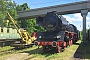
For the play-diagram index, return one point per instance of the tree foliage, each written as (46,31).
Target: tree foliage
(7,6)
(29,24)
(11,7)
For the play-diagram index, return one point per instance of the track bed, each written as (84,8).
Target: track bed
(7,42)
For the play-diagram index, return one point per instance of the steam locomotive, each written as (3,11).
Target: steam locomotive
(59,33)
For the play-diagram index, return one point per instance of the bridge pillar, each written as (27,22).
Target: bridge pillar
(84,14)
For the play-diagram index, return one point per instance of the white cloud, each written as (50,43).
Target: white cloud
(87,22)
(68,18)
(76,17)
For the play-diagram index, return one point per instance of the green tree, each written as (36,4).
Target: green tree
(24,6)
(11,7)
(31,25)
(12,10)
(2,12)
(7,6)
(27,24)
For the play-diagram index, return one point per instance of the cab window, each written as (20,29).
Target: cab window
(2,30)
(7,30)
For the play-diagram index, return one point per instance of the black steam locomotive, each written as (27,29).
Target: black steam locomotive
(59,33)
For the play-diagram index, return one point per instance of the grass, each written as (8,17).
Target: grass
(5,48)
(79,50)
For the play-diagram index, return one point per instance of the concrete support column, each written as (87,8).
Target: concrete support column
(84,14)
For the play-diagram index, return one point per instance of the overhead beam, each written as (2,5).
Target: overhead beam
(61,9)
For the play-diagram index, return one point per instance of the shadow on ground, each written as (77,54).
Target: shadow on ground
(83,51)
(38,51)
(35,53)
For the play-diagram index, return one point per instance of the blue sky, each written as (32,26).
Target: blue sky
(43,3)
(75,19)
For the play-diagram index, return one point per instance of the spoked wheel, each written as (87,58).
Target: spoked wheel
(58,49)
(63,47)
(71,42)
(67,43)
(64,44)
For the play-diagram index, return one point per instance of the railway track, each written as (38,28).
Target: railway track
(7,52)
(7,42)
(14,43)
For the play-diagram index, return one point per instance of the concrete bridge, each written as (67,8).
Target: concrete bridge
(82,7)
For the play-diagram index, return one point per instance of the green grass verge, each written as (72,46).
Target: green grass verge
(79,50)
